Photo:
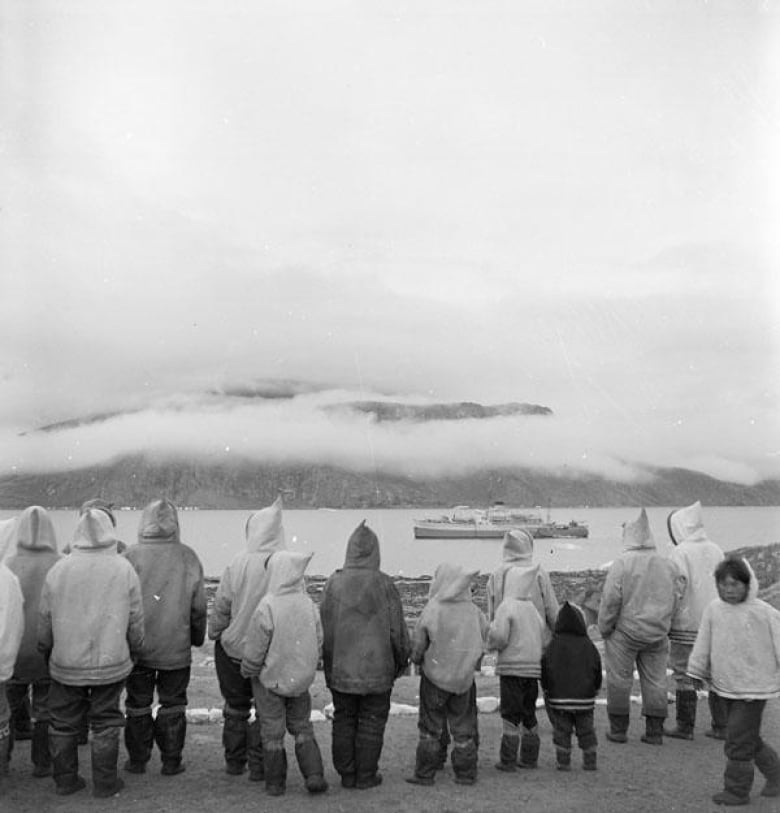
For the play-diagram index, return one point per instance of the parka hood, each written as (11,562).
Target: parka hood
(570,621)
(687,525)
(94,531)
(35,530)
(101,505)
(518,547)
(451,583)
(285,571)
(637,534)
(159,522)
(521,582)
(264,530)
(362,549)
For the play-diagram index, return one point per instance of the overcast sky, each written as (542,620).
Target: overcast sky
(573,204)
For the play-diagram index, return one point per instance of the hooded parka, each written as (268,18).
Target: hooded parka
(11,621)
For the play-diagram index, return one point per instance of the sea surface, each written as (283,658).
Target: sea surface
(217,536)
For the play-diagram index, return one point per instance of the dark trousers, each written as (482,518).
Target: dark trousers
(19,696)
(235,689)
(518,700)
(358,731)
(565,722)
(743,739)
(68,704)
(171,686)
(439,708)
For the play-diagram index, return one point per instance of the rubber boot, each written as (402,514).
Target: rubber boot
(307,752)
(563,759)
(139,738)
(686,702)
(234,733)
(768,764)
(39,749)
(426,761)
(719,716)
(105,753)
(275,765)
(507,753)
(737,781)
(590,760)
(170,731)
(254,752)
(368,749)
(654,731)
(618,726)
(529,748)
(464,761)
(65,763)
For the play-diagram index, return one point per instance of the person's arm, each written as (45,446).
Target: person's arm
(45,632)
(135,624)
(611,601)
(219,620)
(198,609)
(258,640)
(420,640)
(399,633)
(500,628)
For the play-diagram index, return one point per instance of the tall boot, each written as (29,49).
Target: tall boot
(654,730)
(275,763)
(65,763)
(589,759)
(170,731)
(768,763)
(39,749)
(563,759)
(507,753)
(307,752)
(618,726)
(105,753)
(254,751)
(529,748)
(464,761)
(426,761)
(139,738)
(737,781)
(718,715)
(368,749)
(686,702)
(234,733)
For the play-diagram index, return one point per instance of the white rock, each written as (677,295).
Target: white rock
(317,716)
(487,705)
(328,711)
(198,716)
(402,710)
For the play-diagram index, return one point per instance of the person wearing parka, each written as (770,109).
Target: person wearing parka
(517,554)
(11,632)
(174,600)
(737,652)
(366,647)
(34,554)
(281,652)
(448,644)
(242,586)
(571,679)
(641,594)
(518,633)
(90,627)
(696,557)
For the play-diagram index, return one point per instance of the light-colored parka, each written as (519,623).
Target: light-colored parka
(174,597)
(449,637)
(11,621)
(91,616)
(34,555)
(737,650)
(284,637)
(642,590)
(245,580)
(696,557)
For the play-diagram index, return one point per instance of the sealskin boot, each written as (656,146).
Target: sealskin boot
(589,760)
(685,702)
(368,749)
(654,731)
(139,738)
(464,761)
(426,762)
(275,763)
(563,759)
(507,753)
(105,752)
(307,752)
(39,749)
(529,748)
(254,752)
(618,725)
(234,733)
(170,731)
(65,763)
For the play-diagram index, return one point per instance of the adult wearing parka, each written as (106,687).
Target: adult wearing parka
(11,630)
(34,554)
(641,594)
(174,600)
(243,585)
(366,647)
(696,557)
(90,626)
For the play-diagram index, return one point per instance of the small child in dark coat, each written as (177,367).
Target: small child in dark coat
(571,679)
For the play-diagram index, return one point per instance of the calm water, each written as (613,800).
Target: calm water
(218,535)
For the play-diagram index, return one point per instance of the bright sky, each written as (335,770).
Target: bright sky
(565,203)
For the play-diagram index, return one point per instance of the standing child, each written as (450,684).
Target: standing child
(518,633)
(571,679)
(737,651)
(11,630)
(448,643)
(281,651)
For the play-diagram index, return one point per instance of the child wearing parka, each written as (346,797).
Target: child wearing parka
(448,644)
(737,652)
(696,557)
(281,651)
(571,679)
(243,583)
(174,599)
(34,554)
(518,633)
(11,631)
